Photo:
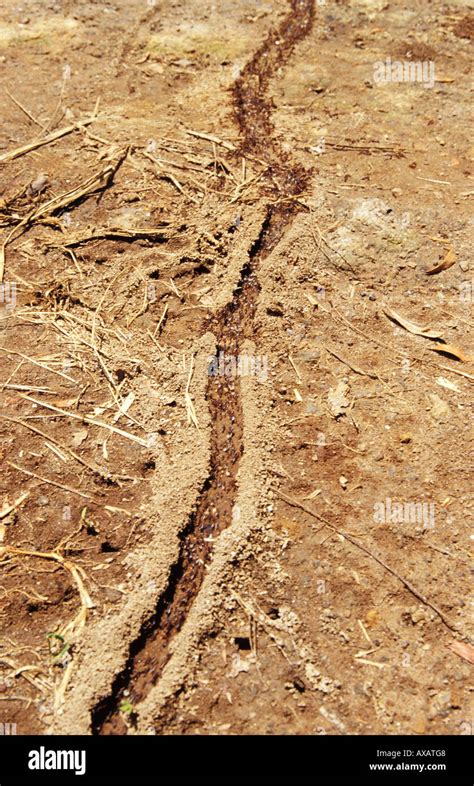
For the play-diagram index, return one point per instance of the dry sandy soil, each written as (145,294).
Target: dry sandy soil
(281,547)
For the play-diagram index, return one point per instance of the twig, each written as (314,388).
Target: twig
(103,474)
(91,421)
(356,369)
(59,697)
(298,375)
(119,234)
(30,388)
(211,138)
(155,341)
(461,373)
(50,482)
(37,363)
(168,176)
(20,151)
(295,503)
(261,617)
(5,511)
(160,321)
(98,181)
(23,109)
(76,572)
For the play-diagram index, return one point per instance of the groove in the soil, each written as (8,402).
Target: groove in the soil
(149,653)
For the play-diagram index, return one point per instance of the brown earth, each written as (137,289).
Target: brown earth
(283,551)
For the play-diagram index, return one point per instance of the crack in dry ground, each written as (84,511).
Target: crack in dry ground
(149,653)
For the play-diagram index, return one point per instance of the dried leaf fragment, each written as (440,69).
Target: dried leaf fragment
(465,651)
(78,437)
(7,508)
(454,351)
(446,263)
(446,383)
(412,327)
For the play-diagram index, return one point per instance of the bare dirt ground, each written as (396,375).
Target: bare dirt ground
(280,551)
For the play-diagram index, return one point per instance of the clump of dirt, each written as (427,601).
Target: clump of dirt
(465,27)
